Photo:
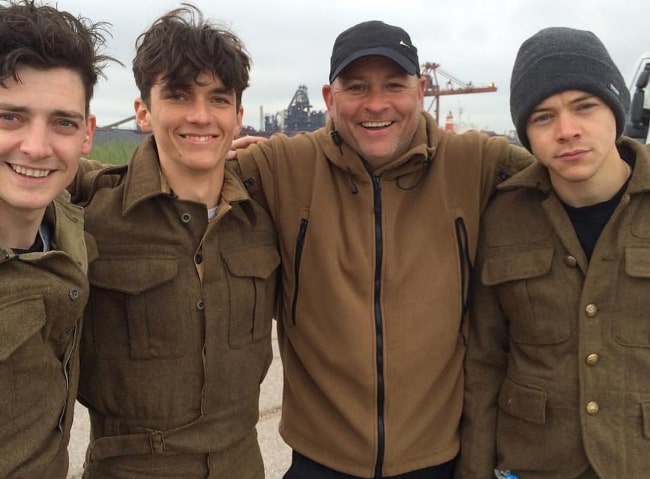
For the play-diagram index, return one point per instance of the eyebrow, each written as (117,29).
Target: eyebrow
(54,113)
(578,99)
(170,87)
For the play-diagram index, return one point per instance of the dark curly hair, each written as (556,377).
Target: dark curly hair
(43,37)
(181,45)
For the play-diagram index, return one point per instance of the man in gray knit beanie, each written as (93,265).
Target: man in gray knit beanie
(557,59)
(557,363)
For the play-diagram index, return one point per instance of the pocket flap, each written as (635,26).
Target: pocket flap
(637,262)
(515,266)
(132,275)
(19,321)
(523,402)
(255,262)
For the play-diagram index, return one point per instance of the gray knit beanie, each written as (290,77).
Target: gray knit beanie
(557,59)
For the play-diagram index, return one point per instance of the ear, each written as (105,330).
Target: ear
(91,124)
(240,119)
(142,115)
(422,83)
(328,97)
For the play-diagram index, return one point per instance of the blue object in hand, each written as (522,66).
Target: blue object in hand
(505,474)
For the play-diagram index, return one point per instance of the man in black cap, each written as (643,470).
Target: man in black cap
(559,354)
(377,215)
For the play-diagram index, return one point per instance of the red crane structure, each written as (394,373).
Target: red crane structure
(452,86)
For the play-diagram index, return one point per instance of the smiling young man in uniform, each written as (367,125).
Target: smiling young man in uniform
(177,333)
(49,66)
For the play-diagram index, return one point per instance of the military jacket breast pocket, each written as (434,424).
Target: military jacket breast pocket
(24,375)
(251,290)
(135,309)
(531,294)
(631,324)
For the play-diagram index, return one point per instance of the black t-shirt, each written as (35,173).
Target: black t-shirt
(589,221)
(41,243)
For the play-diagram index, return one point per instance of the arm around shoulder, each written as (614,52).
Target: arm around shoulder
(82,185)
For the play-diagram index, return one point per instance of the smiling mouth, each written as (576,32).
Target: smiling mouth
(30,172)
(376,124)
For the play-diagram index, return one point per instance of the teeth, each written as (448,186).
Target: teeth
(201,139)
(375,124)
(31,172)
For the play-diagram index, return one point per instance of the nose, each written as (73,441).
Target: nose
(37,143)
(567,126)
(376,99)
(199,113)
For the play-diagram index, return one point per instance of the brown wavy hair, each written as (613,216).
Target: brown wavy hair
(43,37)
(181,45)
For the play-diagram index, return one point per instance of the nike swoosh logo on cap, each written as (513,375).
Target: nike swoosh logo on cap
(401,42)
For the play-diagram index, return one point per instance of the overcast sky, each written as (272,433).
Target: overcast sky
(290,43)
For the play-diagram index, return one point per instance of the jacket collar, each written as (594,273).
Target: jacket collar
(640,180)
(145,180)
(67,223)
(420,154)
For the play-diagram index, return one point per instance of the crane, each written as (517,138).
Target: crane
(453,86)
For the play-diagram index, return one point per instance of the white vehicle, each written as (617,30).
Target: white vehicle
(638,118)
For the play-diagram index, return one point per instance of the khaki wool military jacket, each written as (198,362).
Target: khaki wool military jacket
(558,361)
(42,301)
(178,326)
(375,272)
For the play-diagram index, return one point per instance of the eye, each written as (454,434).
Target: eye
(586,106)
(10,120)
(221,100)
(67,123)
(540,118)
(356,88)
(395,87)
(9,117)
(176,95)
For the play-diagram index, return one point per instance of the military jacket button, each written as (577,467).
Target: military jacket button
(74,294)
(592,359)
(186,217)
(65,334)
(591,310)
(592,407)
(570,260)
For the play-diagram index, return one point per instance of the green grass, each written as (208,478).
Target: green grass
(113,152)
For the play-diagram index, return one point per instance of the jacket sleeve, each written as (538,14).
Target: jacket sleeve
(248,169)
(500,161)
(82,185)
(485,369)
(260,167)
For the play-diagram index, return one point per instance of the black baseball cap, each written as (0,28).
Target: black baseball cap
(374,38)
